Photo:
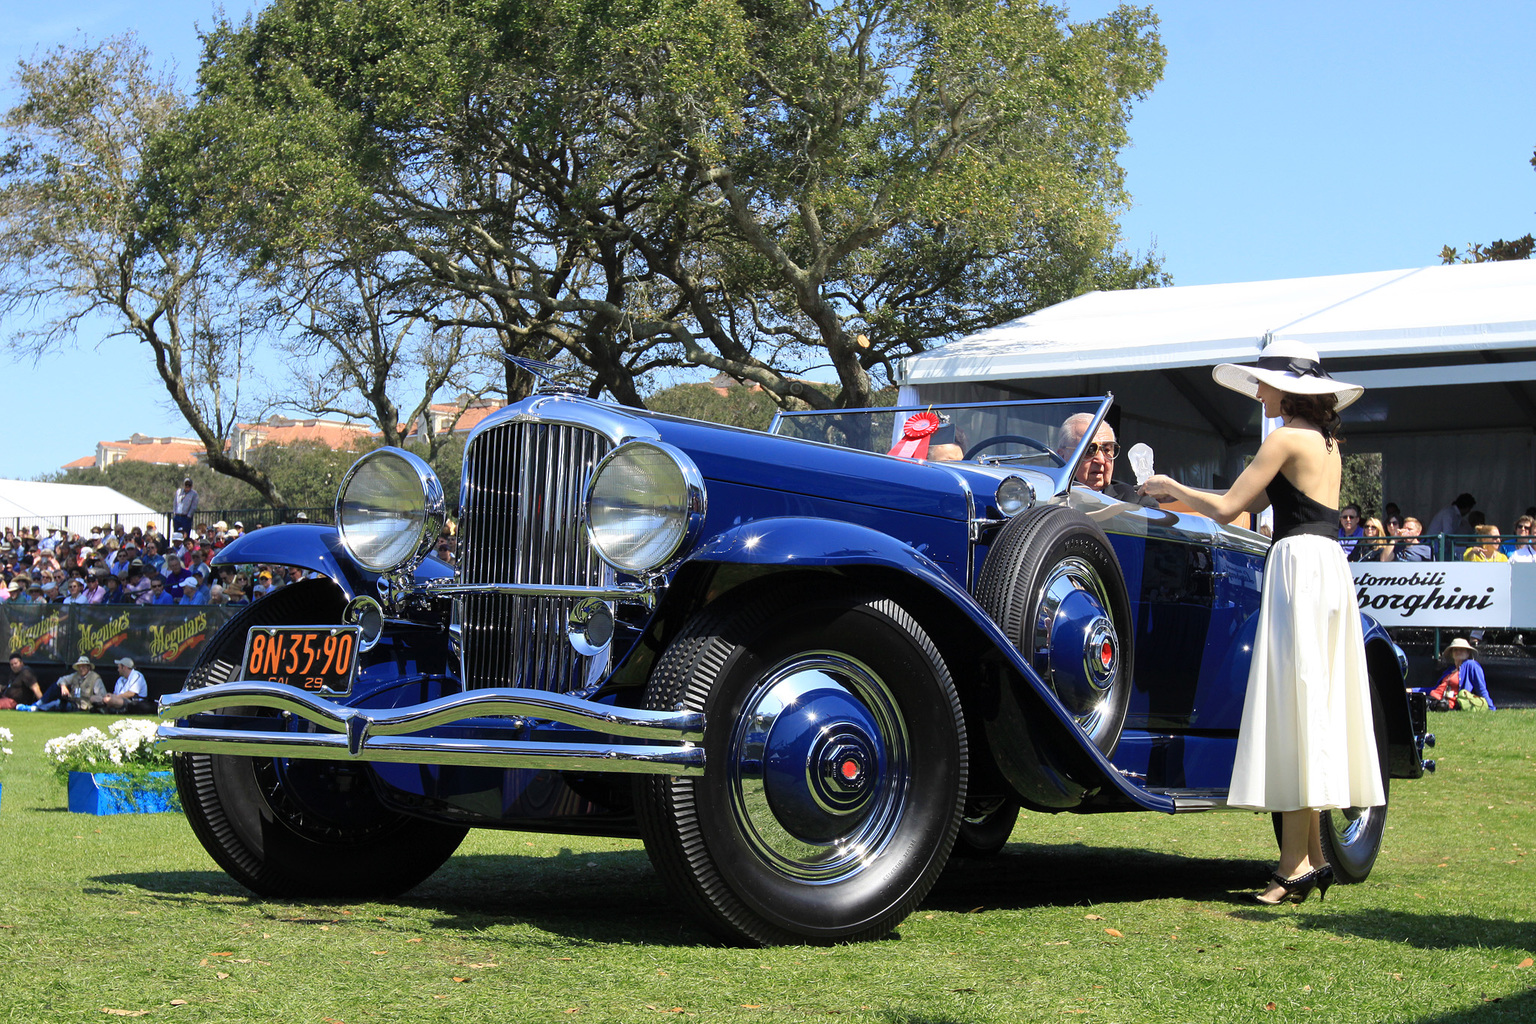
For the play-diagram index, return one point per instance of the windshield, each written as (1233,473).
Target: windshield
(1011,433)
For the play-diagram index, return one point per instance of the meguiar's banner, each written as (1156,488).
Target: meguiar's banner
(166,636)
(34,630)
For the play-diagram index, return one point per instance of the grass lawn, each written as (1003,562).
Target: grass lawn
(1109,918)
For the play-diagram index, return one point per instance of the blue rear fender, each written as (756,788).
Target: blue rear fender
(1041,751)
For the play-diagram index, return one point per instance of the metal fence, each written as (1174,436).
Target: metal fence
(1446,547)
(82,524)
(250,518)
(264,515)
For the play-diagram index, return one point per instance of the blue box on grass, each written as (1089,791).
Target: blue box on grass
(101,793)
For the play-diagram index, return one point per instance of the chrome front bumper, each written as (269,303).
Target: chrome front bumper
(385,734)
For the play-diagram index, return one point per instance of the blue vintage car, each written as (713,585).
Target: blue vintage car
(804,671)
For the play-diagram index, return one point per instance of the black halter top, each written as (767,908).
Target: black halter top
(1296,514)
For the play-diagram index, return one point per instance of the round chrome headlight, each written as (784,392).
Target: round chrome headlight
(645,501)
(1014,495)
(390,510)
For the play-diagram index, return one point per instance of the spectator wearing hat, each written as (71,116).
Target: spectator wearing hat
(17,592)
(81,690)
(137,586)
(197,562)
(115,594)
(192,592)
(130,694)
(123,557)
(1465,675)
(95,586)
(264,585)
(1305,741)
(183,506)
(76,592)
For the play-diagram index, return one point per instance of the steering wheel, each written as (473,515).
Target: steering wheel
(1027,442)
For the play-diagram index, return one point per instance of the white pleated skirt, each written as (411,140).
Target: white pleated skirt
(1306,738)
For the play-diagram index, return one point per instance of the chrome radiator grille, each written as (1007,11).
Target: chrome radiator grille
(522,523)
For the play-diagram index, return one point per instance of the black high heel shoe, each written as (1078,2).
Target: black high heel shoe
(1292,890)
(1324,880)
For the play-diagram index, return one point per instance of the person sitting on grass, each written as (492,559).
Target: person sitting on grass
(81,690)
(130,695)
(1464,678)
(22,691)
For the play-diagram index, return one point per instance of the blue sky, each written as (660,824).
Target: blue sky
(1287,139)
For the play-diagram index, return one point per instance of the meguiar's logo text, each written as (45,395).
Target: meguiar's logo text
(168,643)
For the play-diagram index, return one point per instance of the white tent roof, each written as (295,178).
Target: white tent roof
(1447,356)
(75,507)
(1446,309)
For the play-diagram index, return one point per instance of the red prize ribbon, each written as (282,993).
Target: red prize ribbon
(914,436)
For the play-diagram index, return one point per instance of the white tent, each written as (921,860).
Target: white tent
(73,507)
(1447,354)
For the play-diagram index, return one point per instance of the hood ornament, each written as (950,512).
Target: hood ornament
(547,375)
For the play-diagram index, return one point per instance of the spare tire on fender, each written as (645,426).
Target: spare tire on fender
(1052,582)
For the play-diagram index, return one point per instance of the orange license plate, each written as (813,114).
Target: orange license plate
(317,658)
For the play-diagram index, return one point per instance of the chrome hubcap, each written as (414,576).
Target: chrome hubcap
(819,767)
(1076,646)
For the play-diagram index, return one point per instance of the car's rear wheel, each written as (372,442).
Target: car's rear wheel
(1352,837)
(1054,585)
(986,826)
(286,828)
(836,767)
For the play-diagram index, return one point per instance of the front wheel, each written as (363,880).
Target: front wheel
(288,828)
(836,767)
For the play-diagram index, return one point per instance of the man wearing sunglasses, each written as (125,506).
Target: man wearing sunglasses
(1097,470)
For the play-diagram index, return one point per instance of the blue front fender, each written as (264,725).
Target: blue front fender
(1049,760)
(317,549)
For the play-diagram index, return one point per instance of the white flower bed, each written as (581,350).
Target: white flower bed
(127,746)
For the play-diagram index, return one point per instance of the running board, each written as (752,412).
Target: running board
(1186,801)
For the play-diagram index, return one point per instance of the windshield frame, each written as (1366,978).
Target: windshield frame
(1062,476)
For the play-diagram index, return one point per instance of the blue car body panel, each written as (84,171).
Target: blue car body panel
(777,505)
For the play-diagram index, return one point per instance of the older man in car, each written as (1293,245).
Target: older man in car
(1097,470)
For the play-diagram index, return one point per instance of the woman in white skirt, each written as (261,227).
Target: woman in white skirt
(1306,742)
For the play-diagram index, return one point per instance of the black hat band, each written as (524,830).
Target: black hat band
(1295,366)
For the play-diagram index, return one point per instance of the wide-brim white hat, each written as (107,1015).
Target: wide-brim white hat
(1288,366)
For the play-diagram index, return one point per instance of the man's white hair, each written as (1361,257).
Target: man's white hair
(1072,430)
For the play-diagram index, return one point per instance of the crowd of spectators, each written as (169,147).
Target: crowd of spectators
(1394,537)
(115,565)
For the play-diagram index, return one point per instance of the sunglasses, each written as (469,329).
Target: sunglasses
(1109,449)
